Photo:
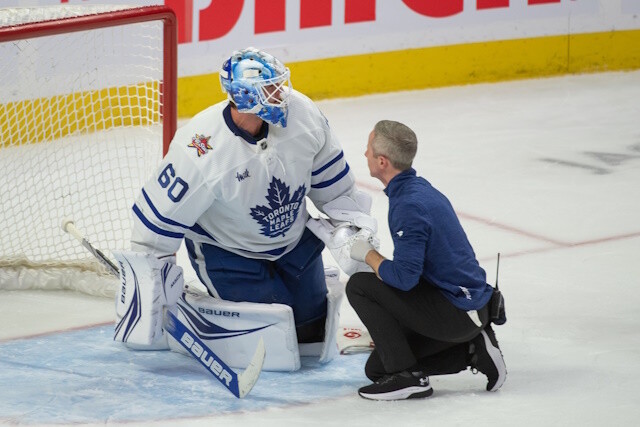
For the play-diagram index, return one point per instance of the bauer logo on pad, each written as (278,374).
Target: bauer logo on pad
(201,144)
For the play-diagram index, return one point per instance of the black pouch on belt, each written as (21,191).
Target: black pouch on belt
(497,313)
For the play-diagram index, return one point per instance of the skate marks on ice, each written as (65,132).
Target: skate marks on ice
(599,162)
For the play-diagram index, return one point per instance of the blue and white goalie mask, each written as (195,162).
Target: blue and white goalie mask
(257,83)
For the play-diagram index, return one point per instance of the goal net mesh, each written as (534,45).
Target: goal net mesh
(81,129)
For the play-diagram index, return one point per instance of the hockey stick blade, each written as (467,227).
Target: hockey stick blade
(248,378)
(239,384)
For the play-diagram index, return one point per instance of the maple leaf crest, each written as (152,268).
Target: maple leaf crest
(280,214)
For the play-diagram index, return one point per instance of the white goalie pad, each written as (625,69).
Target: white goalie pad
(335,294)
(328,349)
(147,285)
(339,239)
(232,330)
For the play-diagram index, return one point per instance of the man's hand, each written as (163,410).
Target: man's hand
(360,249)
(339,239)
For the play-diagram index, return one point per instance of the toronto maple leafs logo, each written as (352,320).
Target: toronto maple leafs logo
(278,217)
(201,144)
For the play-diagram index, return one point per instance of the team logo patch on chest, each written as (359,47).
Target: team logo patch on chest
(201,144)
(278,216)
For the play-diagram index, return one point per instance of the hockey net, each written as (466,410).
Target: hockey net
(87,109)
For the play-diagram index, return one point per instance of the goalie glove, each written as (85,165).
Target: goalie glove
(339,239)
(147,286)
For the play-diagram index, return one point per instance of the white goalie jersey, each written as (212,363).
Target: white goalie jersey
(220,186)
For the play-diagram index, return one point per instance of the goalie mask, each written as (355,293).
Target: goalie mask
(257,83)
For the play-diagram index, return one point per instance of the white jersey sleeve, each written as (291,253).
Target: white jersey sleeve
(331,176)
(169,204)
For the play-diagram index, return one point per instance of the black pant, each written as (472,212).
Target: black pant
(415,327)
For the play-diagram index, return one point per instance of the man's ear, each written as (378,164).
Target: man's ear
(383,162)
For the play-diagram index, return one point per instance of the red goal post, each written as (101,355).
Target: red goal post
(87,109)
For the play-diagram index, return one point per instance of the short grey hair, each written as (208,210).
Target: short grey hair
(395,141)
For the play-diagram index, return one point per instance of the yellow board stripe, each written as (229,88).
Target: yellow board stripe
(55,117)
(45,119)
(611,51)
(440,66)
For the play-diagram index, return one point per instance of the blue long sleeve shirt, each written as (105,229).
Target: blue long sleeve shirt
(429,242)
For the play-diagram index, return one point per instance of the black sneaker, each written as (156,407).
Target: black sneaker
(486,357)
(403,385)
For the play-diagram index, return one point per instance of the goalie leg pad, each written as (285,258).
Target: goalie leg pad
(147,285)
(335,294)
(232,330)
(328,349)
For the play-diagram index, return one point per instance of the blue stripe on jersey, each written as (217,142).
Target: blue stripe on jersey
(158,215)
(277,251)
(197,228)
(153,227)
(338,157)
(335,179)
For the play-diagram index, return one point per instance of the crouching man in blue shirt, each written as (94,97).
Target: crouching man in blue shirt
(427,310)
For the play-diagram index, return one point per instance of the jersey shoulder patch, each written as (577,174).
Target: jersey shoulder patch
(200,143)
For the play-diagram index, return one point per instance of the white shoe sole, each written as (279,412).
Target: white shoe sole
(496,356)
(405,393)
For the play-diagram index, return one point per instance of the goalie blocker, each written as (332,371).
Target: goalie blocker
(231,329)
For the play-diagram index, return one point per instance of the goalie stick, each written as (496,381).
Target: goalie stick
(238,384)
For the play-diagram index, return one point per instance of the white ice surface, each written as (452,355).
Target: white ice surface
(547,172)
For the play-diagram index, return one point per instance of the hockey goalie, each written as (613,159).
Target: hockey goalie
(234,187)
